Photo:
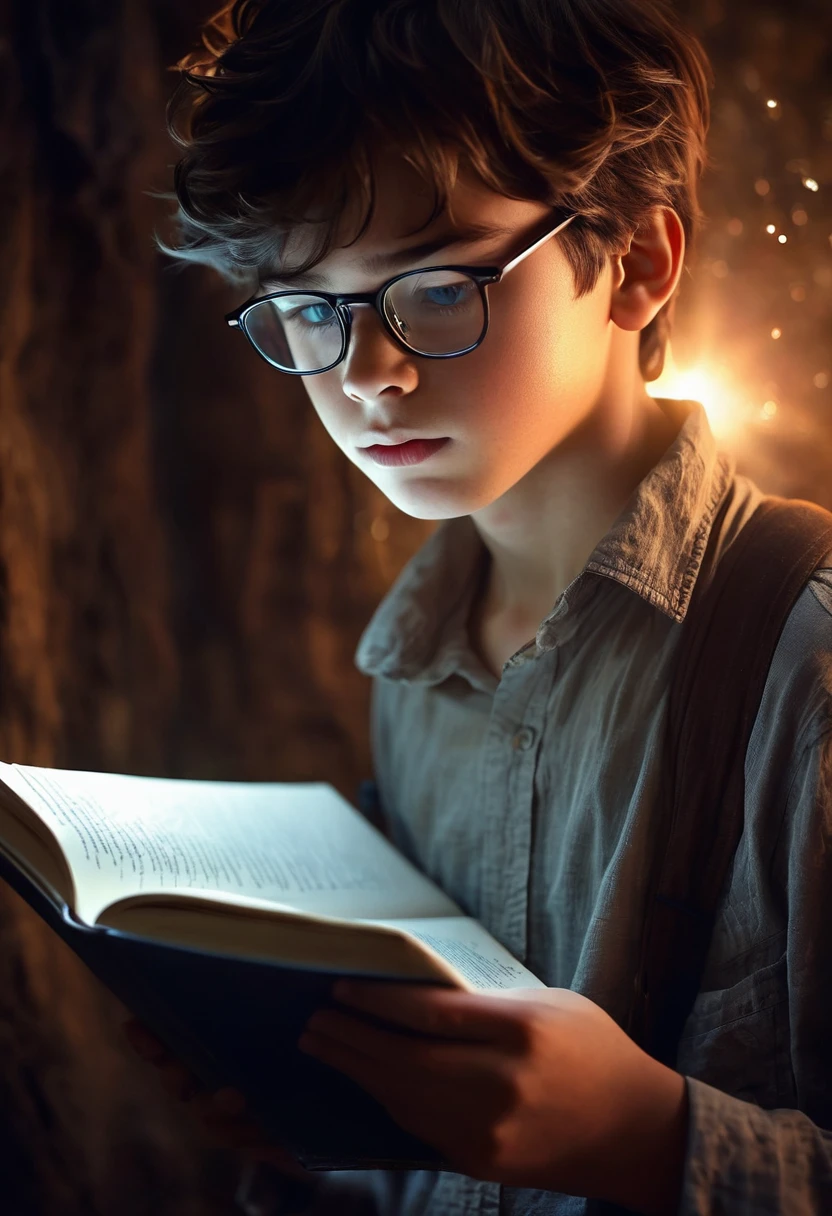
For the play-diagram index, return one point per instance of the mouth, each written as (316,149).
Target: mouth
(414,451)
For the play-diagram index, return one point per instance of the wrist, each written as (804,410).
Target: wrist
(649,1156)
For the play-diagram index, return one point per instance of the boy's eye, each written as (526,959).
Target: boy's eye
(446,295)
(319,313)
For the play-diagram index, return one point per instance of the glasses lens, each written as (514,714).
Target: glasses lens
(298,333)
(437,312)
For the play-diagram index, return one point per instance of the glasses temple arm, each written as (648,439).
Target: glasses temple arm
(531,249)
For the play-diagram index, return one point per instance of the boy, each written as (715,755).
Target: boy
(522,662)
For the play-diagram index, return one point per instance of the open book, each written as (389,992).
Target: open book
(171,890)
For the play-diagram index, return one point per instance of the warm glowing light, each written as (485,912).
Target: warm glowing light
(771,229)
(821,380)
(776,333)
(379,530)
(800,217)
(735,227)
(782,238)
(769,410)
(771,103)
(709,385)
(762,187)
(811,184)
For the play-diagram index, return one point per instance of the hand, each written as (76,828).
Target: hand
(529,1088)
(222,1113)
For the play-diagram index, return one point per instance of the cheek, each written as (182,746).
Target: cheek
(516,378)
(332,407)
(543,358)
(547,331)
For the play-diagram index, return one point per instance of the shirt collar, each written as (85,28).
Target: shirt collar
(654,548)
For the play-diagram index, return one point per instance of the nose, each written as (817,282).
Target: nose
(374,364)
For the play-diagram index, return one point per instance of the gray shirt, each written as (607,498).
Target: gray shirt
(531,799)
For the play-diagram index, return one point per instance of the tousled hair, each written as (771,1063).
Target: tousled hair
(597,106)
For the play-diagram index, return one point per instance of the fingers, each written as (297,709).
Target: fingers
(341,1055)
(413,1079)
(178,1081)
(143,1041)
(431,1010)
(222,1113)
(359,1037)
(375,1057)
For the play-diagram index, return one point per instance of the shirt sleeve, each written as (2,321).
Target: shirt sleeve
(341,1194)
(743,1160)
(264,1192)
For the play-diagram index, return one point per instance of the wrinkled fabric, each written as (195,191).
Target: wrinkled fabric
(531,799)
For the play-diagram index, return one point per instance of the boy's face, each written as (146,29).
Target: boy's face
(539,374)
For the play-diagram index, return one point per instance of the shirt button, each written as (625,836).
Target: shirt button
(523,740)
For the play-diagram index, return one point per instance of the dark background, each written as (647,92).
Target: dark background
(186,561)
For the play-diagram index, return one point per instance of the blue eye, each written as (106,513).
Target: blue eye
(317,314)
(447,295)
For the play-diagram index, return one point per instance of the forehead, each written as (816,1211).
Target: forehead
(399,225)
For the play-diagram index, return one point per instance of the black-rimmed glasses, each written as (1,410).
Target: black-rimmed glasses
(438,313)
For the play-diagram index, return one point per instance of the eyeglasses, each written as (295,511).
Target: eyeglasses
(437,313)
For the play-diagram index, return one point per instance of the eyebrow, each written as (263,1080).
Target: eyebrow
(395,259)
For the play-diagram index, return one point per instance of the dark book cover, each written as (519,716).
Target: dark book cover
(236,1022)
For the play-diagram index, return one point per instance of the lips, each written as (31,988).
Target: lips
(412,452)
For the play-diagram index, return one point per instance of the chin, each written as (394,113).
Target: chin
(438,500)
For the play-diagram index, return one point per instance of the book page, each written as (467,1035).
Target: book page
(448,949)
(296,846)
(221,925)
(471,950)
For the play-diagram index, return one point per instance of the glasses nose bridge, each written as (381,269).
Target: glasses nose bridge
(366,299)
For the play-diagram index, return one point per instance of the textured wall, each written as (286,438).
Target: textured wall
(186,562)
(88,669)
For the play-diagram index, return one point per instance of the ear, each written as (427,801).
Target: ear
(647,274)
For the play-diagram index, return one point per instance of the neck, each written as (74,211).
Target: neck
(541,533)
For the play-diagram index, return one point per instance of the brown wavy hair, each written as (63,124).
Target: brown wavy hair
(597,106)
